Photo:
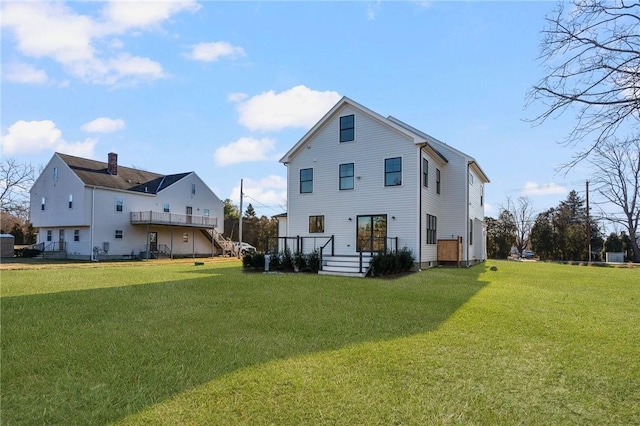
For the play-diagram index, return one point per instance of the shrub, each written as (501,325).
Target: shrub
(27,252)
(253,261)
(286,260)
(392,263)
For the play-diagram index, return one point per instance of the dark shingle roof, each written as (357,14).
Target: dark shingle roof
(94,173)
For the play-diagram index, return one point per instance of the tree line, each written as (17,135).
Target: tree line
(563,232)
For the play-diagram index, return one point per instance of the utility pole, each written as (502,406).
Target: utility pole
(588,225)
(240,221)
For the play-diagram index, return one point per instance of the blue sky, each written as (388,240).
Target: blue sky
(225,88)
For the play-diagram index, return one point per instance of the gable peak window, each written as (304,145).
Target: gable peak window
(438,181)
(193,189)
(306,181)
(393,171)
(347,128)
(42,203)
(55,174)
(70,201)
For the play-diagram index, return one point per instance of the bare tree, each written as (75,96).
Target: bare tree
(592,55)
(521,213)
(15,181)
(617,180)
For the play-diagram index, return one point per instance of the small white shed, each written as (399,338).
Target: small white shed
(6,246)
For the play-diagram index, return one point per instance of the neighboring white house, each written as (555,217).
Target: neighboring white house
(86,209)
(375,183)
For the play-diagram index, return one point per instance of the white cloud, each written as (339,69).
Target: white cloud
(296,107)
(532,188)
(32,137)
(25,73)
(270,191)
(125,15)
(54,30)
(103,125)
(237,97)
(245,150)
(211,52)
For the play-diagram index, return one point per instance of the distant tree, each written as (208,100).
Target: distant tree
(592,52)
(616,178)
(15,181)
(501,235)
(543,235)
(522,213)
(613,243)
(230,210)
(250,213)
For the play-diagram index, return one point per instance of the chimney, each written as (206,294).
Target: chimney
(112,164)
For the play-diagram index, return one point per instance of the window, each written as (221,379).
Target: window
(185,237)
(470,178)
(470,232)
(118,235)
(482,196)
(425,173)
(346,176)
(49,235)
(207,213)
(438,181)
(119,204)
(347,128)
(316,224)
(393,171)
(42,203)
(306,181)
(76,235)
(70,201)
(432,227)
(55,174)
(193,189)
(165,207)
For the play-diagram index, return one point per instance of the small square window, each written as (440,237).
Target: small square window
(393,171)
(118,235)
(165,208)
(346,176)
(207,213)
(306,181)
(316,224)
(347,128)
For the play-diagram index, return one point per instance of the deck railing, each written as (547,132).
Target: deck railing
(166,218)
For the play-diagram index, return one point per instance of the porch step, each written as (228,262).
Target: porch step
(345,265)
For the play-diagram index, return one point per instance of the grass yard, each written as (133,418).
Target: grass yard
(174,343)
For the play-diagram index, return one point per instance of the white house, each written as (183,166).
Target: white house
(359,183)
(86,209)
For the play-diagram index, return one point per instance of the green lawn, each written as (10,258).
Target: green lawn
(148,343)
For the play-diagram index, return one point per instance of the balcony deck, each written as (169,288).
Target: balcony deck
(173,219)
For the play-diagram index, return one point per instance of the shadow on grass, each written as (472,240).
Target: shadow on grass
(95,356)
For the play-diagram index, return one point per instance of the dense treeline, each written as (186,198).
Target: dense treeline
(559,233)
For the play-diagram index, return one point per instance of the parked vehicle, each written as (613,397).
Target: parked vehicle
(244,248)
(528,254)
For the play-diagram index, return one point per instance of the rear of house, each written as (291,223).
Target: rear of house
(362,183)
(87,209)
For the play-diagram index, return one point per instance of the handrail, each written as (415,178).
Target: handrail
(172,218)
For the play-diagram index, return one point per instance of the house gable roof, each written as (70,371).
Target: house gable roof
(94,173)
(416,137)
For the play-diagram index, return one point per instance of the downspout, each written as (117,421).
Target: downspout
(468,211)
(420,205)
(93,209)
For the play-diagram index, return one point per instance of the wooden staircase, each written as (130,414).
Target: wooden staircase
(346,265)
(224,244)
